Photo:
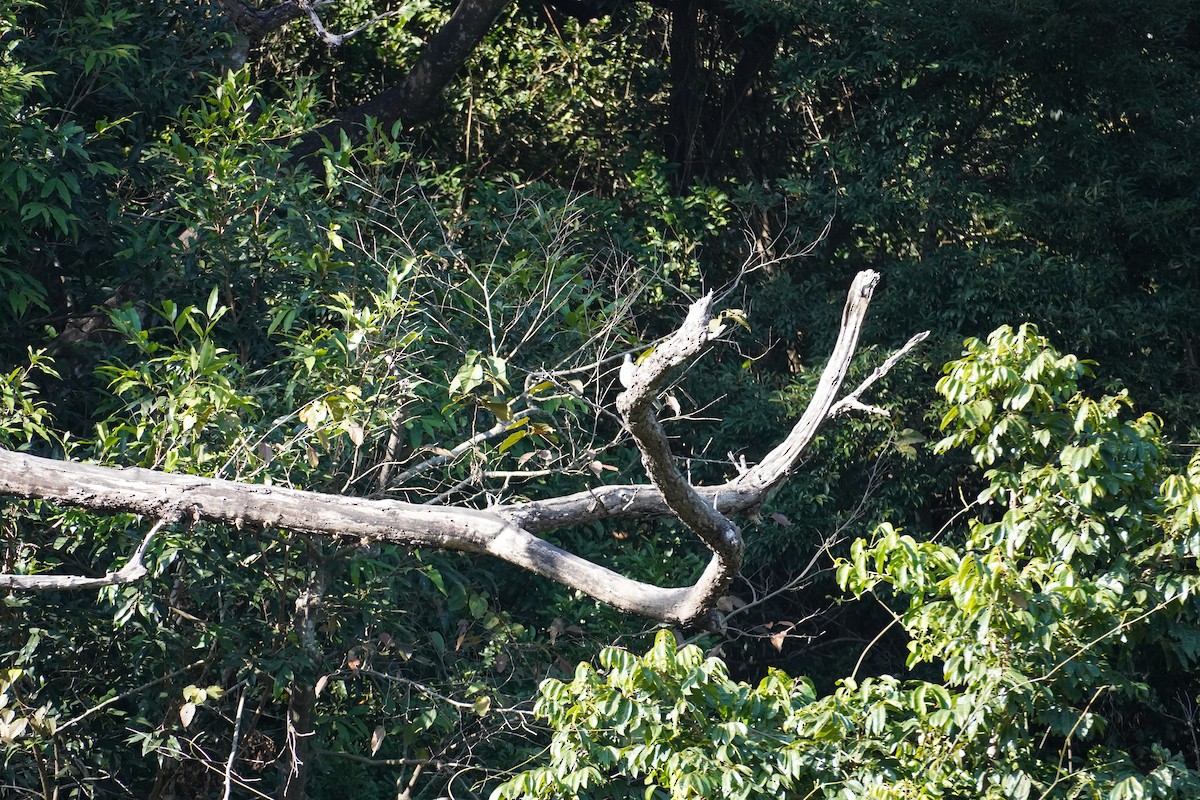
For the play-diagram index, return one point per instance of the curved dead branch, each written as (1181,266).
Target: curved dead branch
(133,570)
(185,498)
(636,406)
(507,532)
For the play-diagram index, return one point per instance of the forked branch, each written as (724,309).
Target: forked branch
(745,492)
(508,532)
(636,406)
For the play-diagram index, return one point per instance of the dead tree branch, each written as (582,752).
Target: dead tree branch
(852,401)
(636,405)
(133,571)
(743,493)
(507,532)
(329,37)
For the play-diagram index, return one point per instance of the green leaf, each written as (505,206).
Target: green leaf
(512,439)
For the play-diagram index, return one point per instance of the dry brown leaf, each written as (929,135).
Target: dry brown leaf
(377,738)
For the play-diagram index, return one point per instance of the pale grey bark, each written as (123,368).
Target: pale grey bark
(133,570)
(636,406)
(413,99)
(507,532)
(743,493)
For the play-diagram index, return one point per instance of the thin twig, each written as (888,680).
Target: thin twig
(852,402)
(128,694)
(338,39)
(393,762)
(233,748)
(503,426)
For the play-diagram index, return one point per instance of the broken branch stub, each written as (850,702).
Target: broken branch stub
(508,532)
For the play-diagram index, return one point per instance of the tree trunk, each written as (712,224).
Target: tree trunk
(293,768)
(414,99)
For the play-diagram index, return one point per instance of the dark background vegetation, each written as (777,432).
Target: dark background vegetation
(997,162)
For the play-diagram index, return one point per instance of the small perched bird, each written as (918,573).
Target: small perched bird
(628,371)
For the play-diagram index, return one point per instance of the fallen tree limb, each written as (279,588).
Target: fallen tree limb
(185,498)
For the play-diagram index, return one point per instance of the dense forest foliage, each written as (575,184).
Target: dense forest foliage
(406,250)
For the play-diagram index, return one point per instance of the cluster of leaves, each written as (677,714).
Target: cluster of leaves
(668,724)
(1064,622)
(82,90)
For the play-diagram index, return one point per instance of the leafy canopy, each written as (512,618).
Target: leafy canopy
(1066,610)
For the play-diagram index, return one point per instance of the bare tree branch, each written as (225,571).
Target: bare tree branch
(852,401)
(132,571)
(743,493)
(175,497)
(507,531)
(773,469)
(636,405)
(501,427)
(125,695)
(435,763)
(233,748)
(337,39)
